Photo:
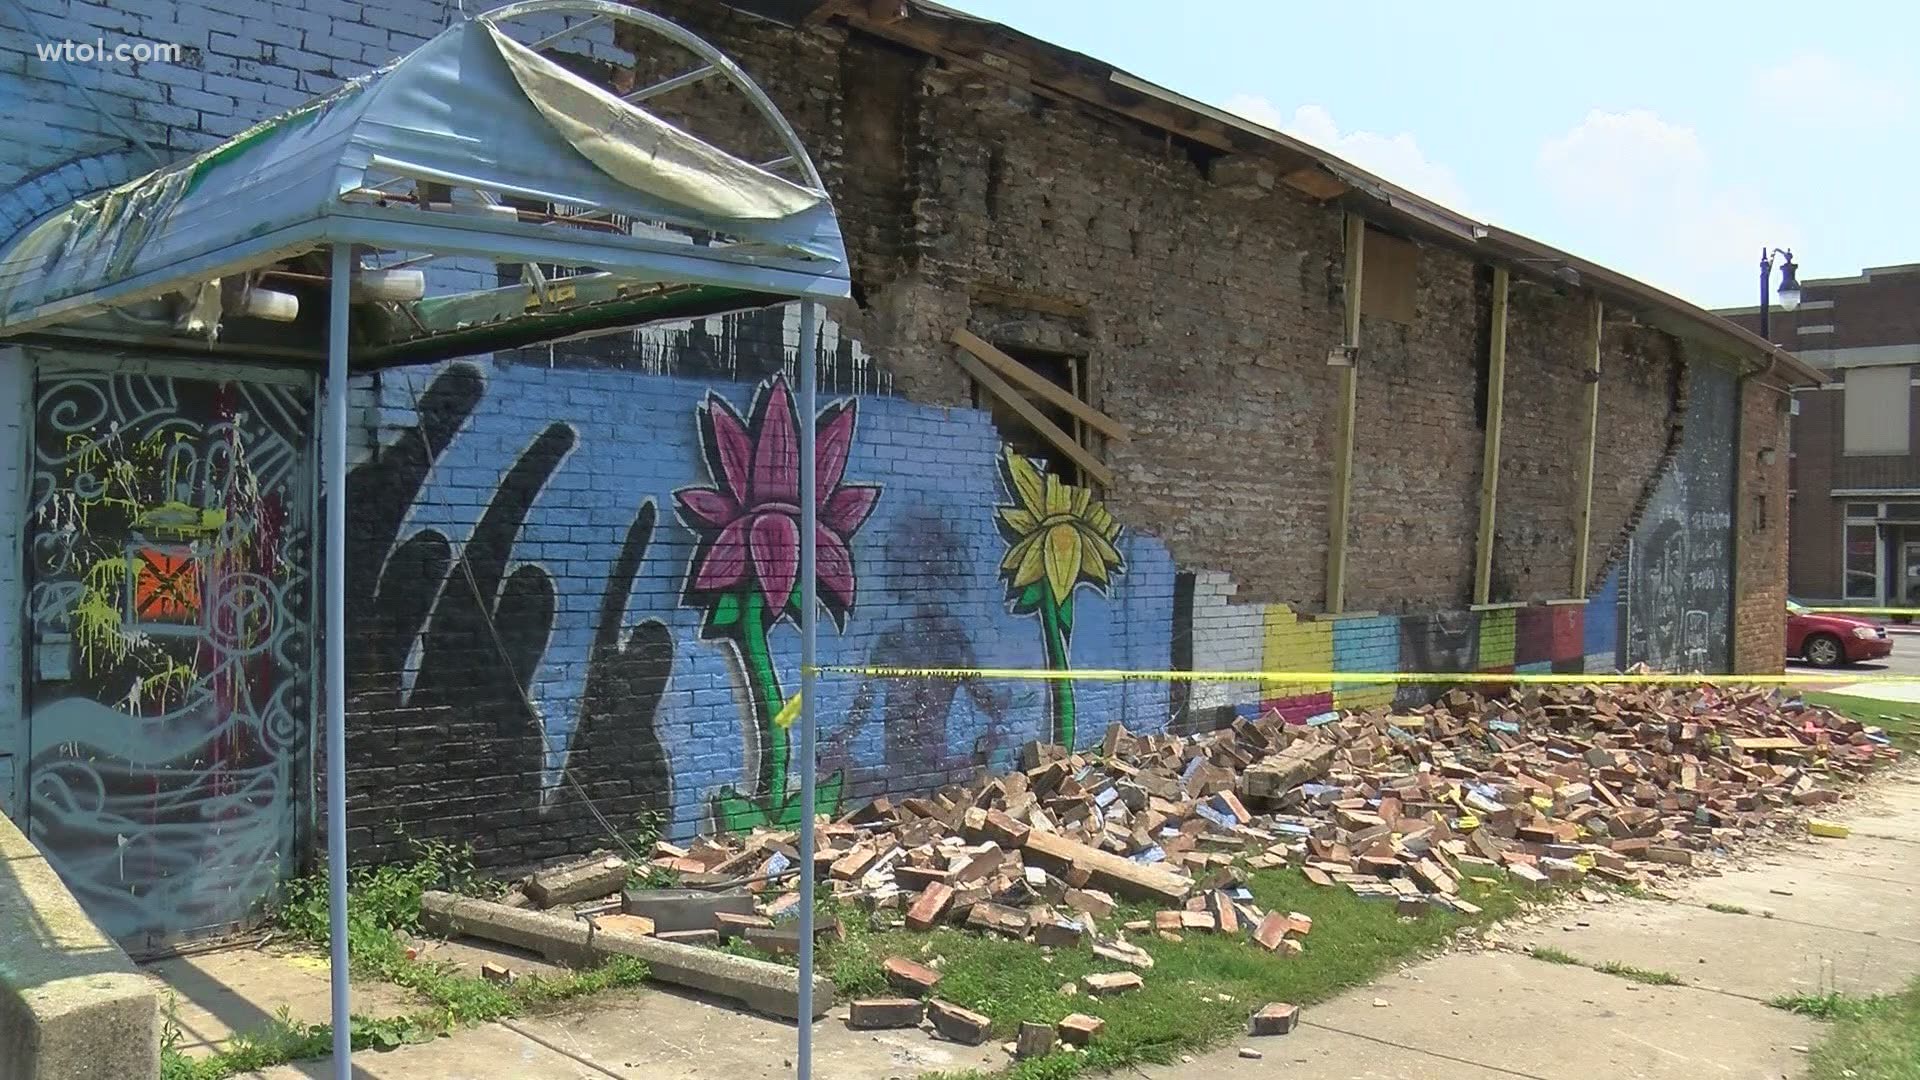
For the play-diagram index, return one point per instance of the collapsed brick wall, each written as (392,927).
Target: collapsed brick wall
(1203,299)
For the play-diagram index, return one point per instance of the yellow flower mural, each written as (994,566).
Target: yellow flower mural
(1058,538)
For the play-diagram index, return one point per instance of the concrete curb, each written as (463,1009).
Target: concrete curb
(72,1007)
(757,984)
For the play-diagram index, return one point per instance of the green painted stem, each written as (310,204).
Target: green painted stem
(766,695)
(1056,636)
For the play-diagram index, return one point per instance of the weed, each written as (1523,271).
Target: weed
(1553,956)
(1834,1005)
(1639,974)
(1728,909)
(383,903)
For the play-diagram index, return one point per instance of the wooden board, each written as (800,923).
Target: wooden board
(1490,448)
(1142,881)
(1018,402)
(1024,378)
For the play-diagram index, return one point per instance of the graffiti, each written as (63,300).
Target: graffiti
(1678,593)
(1445,641)
(1058,539)
(744,570)
(466,628)
(169,699)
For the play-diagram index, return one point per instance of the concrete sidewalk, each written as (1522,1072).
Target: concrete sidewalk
(1822,915)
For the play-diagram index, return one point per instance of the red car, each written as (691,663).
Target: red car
(1833,640)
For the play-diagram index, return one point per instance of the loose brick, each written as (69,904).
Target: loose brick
(905,975)
(1276,1018)
(1078,1029)
(868,1014)
(930,906)
(1117,982)
(959,1024)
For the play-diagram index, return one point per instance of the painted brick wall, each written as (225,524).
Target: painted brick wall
(16,382)
(564,489)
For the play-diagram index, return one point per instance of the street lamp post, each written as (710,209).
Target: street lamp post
(1789,291)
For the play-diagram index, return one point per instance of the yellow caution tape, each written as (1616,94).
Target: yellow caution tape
(1467,823)
(1541,803)
(1362,677)
(788,712)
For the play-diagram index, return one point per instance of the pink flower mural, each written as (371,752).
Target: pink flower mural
(745,570)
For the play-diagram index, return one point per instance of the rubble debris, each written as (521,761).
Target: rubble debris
(1116,982)
(1078,1029)
(573,882)
(496,973)
(908,977)
(1828,829)
(872,1014)
(1561,785)
(674,910)
(961,1025)
(1276,1018)
(1036,1040)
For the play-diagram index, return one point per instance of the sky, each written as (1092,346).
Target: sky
(1670,141)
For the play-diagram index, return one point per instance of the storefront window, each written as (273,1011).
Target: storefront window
(1863,576)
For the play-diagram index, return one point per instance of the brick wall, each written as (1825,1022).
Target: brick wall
(1203,301)
(1759,631)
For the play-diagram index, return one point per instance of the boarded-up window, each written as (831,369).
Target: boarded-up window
(1878,406)
(1388,276)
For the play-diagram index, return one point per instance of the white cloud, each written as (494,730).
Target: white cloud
(1646,188)
(1392,157)
(1814,86)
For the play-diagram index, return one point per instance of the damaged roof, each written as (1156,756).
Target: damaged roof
(991,48)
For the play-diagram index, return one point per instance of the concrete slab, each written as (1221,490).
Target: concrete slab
(487,1052)
(662,1033)
(1740,954)
(1489,1014)
(240,989)
(1872,889)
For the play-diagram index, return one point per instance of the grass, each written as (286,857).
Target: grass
(1727,909)
(1648,976)
(1554,956)
(383,903)
(1872,1038)
(1901,721)
(1199,992)
(1551,955)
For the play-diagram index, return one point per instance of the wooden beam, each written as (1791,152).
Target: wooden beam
(1583,519)
(1017,401)
(1026,379)
(1356,233)
(1490,450)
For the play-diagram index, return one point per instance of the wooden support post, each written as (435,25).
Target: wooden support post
(1356,229)
(1583,520)
(1490,451)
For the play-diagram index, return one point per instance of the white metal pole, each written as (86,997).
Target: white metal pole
(809,515)
(334,454)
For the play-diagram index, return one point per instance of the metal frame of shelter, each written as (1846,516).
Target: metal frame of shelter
(474,145)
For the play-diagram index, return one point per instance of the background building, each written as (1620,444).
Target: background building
(556,622)
(1854,470)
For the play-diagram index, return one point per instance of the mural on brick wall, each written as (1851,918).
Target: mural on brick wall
(1679,608)
(169,691)
(1059,538)
(651,657)
(745,569)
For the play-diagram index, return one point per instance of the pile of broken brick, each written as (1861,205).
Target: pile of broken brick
(1626,785)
